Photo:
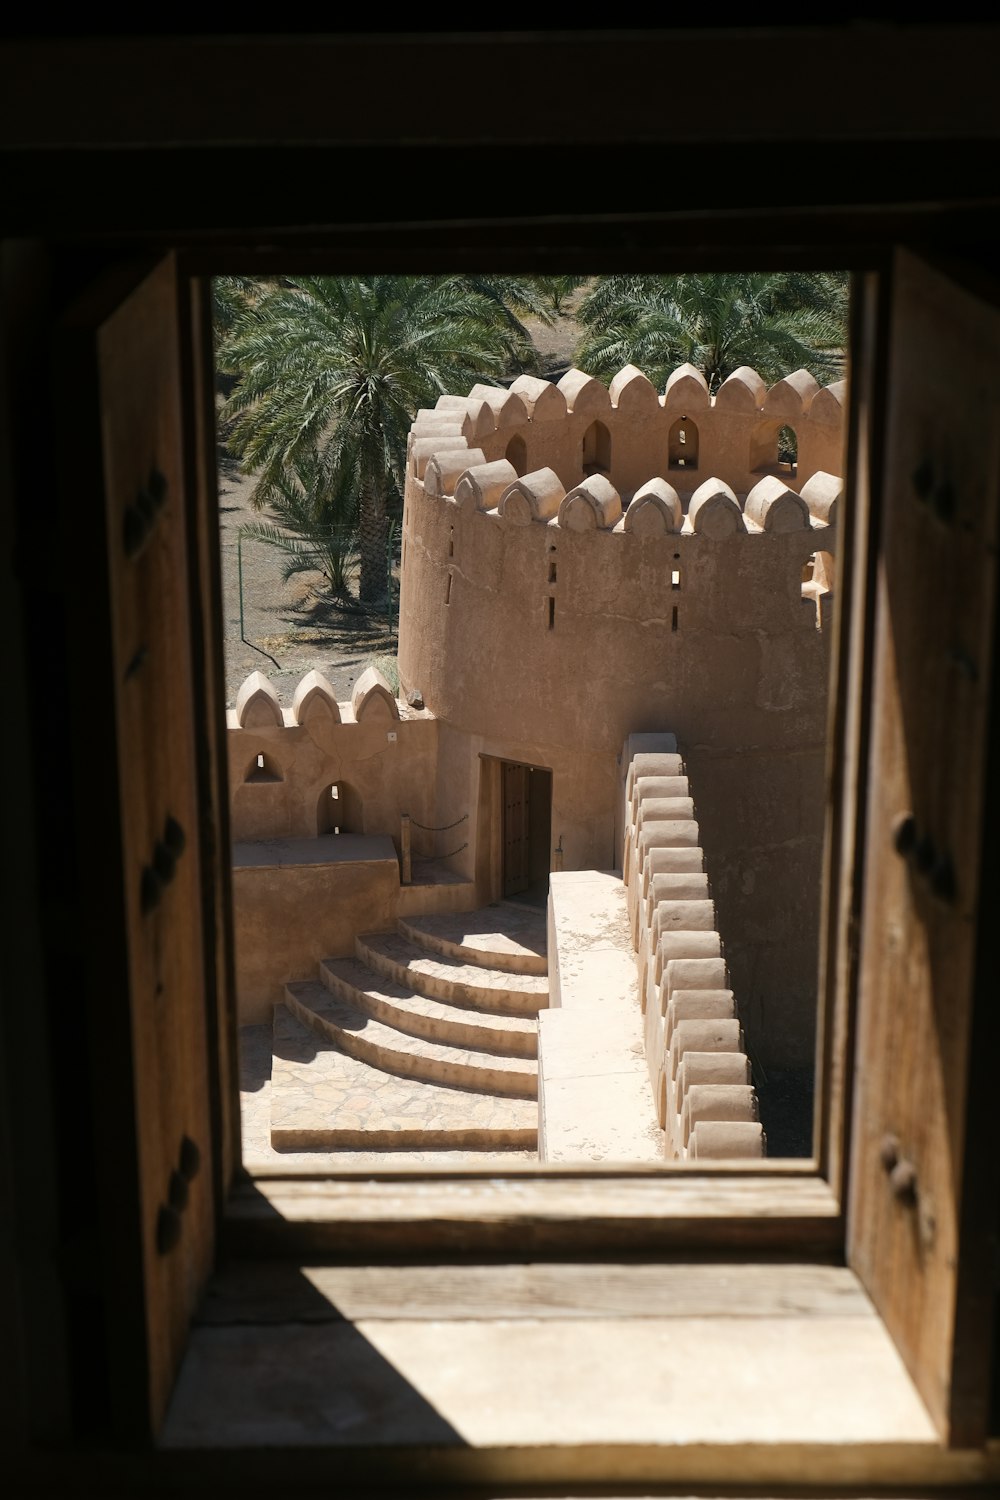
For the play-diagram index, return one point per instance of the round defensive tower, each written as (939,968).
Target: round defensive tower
(582,563)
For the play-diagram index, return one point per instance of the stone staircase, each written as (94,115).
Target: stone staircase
(426,1039)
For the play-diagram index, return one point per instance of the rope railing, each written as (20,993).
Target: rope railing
(443,828)
(405,847)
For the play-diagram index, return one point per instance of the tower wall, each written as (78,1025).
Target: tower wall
(544,627)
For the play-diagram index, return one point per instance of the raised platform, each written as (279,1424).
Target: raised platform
(595,1103)
(327,849)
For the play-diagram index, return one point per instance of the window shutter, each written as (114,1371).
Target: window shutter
(923,1184)
(164,873)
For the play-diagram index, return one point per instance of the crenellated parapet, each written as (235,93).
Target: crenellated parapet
(319,767)
(536,516)
(629,433)
(699,1070)
(582,562)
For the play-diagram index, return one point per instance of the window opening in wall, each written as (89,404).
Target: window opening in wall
(262,770)
(682,444)
(597,449)
(516,454)
(788,449)
(383,712)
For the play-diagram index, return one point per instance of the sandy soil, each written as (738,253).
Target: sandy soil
(289,627)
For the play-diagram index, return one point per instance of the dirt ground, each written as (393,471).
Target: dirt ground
(289,627)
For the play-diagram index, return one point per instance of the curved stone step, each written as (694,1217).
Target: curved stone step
(503,937)
(324,1099)
(384,1047)
(421,1015)
(445,978)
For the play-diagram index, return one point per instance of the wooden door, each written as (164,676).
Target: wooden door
(167,975)
(923,1172)
(516,847)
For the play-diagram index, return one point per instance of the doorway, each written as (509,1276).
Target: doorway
(526,808)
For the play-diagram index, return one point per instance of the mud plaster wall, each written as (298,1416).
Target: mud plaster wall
(385,777)
(557,671)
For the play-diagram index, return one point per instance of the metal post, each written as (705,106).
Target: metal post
(406,876)
(239,559)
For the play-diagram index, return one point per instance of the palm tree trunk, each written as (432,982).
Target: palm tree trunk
(372,542)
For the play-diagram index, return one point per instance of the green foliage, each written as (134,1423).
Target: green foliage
(557,289)
(330,372)
(315,523)
(773,321)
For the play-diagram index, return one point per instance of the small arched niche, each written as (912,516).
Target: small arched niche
(774,449)
(517,455)
(682,444)
(338,810)
(263,769)
(596,450)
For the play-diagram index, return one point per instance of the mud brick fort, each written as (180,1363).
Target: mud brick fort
(613,652)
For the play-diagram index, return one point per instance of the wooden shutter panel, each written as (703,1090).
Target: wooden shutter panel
(139,354)
(923,1185)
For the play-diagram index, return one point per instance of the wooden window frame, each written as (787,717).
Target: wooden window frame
(776,1210)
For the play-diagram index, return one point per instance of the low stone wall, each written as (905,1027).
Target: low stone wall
(698,1068)
(297,901)
(284,763)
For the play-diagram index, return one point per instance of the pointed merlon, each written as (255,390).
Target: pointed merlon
(743,391)
(792,397)
(686,390)
(822,494)
(633,392)
(426,448)
(772,506)
(828,404)
(654,510)
(444,470)
(545,402)
(534,497)
(481,487)
(715,511)
(584,395)
(507,407)
(372,698)
(315,703)
(594,504)
(257,705)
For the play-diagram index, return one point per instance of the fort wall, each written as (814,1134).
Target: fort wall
(546,614)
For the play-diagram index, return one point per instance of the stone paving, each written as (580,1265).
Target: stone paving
(256,1062)
(322,1097)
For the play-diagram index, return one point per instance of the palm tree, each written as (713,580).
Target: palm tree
(774,322)
(331,372)
(315,522)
